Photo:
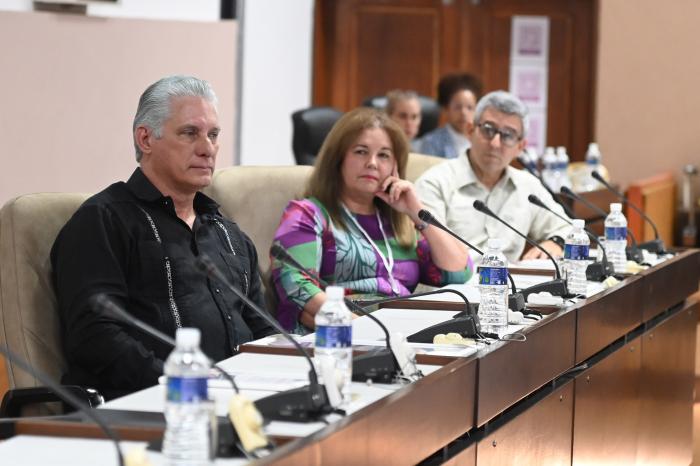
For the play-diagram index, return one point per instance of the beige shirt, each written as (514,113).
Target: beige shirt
(449,189)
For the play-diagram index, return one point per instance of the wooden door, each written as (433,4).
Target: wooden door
(364,48)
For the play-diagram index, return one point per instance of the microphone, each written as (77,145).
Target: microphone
(378,366)
(67,397)
(516,300)
(466,323)
(597,271)
(304,404)
(251,437)
(633,252)
(656,245)
(567,209)
(556,287)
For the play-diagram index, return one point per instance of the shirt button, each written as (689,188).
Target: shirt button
(228,317)
(217,291)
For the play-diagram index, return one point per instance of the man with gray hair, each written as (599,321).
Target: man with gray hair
(448,190)
(136,242)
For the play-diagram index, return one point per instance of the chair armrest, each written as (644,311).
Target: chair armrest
(16,399)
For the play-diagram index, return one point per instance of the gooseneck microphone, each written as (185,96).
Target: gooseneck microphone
(633,252)
(556,287)
(567,209)
(66,396)
(516,300)
(103,303)
(656,245)
(597,271)
(378,366)
(303,404)
(466,323)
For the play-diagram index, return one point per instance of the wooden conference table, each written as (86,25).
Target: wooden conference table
(607,380)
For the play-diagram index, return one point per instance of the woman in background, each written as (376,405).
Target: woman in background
(457,95)
(358,225)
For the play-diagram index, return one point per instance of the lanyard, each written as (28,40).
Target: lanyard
(388,263)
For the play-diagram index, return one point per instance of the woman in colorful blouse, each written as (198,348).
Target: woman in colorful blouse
(357,225)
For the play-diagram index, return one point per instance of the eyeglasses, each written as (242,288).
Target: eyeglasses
(509,138)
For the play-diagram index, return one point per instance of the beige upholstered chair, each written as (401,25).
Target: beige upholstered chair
(418,163)
(29,321)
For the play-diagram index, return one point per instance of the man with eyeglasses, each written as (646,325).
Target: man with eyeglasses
(483,172)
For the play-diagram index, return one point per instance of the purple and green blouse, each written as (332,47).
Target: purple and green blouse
(344,257)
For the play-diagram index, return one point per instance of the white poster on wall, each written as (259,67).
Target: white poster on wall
(529,72)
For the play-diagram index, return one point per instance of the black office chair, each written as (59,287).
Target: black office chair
(429,109)
(310,128)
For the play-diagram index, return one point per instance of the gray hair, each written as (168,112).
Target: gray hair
(395,96)
(504,102)
(154,104)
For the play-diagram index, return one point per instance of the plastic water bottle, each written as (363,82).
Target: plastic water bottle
(530,158)
(563,168)
(576,258)
(549,165)
(616,237)
(593,157)
(334,339)
(187,439)
(493,286)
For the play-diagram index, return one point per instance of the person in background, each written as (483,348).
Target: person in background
(404,108)
(483,172)
(136,242)
(358,225)
(457,95)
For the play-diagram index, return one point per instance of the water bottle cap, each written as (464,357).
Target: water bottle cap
(336,293)
(578,223)
(549,150)
(593,148)
(187,336)
(561,150)
(494,243)
(615,207)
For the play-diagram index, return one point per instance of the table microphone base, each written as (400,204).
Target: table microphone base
(302,404)
(465,326)
(556,287)
(379,366)
(656,246)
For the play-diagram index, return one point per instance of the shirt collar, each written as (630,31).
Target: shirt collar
(141,187)
(466,174)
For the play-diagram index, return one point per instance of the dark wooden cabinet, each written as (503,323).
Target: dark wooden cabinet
(364,48)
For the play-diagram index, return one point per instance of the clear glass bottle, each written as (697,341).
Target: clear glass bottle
(187,438)
(493,287)
(334,338)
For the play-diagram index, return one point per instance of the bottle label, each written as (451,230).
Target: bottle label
(187,389)
(616,233)
(333,336)
(577,252)
(493,275)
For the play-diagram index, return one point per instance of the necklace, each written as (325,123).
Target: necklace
(387,261)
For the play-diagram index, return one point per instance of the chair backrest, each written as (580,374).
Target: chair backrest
(310,128)
(29,321)
(430,111)
(418,163)
(254,197)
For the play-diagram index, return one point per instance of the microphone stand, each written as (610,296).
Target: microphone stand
(556,287)
(66,396)
(597,271)
(304,404)
(656,245)
(379,366)
(516,300)
(633,252)
(465,323)
(226,446)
